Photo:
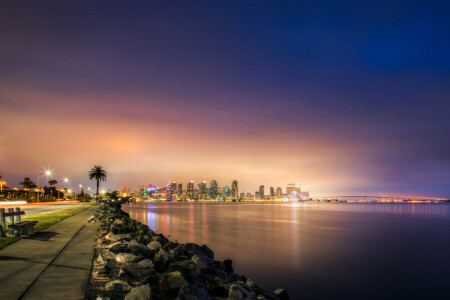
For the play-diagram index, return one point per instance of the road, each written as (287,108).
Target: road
(32,209)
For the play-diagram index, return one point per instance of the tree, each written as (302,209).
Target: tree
(53,182)
(27,183)
(99,174)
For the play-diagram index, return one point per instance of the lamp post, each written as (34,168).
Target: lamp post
(1,185)
(47,173)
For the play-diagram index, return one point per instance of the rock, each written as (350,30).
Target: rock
(117,237)
(160,239)
(146,263)
(103,271)
(196,291)
(172,282)
(117,286)
(101,298)
(194,249)
(250,283)
(219,291)
(118,221)
(119,248)
(162,260)
(178,251)
(200,262)
(140,249)
(142,292)
(125,274)
(100,259)
(228,266)
(126,258)
(155,246)
(237,292)
(187,268)
(281,294)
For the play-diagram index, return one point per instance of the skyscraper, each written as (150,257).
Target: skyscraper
(234,190)
(261,192)
(180,189)
(272,191)
(190,189)
(279,192)
(213,190)
(202,190)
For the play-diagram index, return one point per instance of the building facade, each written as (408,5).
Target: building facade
(234,190)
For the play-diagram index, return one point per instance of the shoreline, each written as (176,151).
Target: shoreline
(133,262)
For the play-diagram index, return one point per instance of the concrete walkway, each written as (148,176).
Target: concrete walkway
(56,262)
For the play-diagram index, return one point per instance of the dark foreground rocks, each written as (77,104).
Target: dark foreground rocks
(133,263)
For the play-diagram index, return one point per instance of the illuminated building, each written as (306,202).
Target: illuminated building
(279,192)
(293,189)
(241,196)
(214,190)
(180,189)
(172,187)
(226,191)
(234,190)
(272,192)
(190,189)
(261,192)
(202,190)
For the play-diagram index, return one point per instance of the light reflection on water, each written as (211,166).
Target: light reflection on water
(320,250)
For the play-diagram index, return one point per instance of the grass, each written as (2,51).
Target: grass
(46,219)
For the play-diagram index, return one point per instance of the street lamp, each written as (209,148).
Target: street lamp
(1,185)
(47,173)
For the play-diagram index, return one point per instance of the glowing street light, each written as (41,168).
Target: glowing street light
(47,173)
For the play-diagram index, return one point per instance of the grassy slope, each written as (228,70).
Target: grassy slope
(46,219)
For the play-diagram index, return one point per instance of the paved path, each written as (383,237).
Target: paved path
(55,263)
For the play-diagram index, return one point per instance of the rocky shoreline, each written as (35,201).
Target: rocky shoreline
(132,262)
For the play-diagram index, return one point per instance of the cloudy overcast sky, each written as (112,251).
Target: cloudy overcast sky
(342,96)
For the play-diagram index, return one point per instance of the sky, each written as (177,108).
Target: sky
(345,97)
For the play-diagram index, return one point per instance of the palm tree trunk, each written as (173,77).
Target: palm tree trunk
(97,185)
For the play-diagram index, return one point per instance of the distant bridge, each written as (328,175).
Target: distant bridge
(369,198)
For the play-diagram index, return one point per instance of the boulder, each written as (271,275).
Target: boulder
(160,239)
(281,294)
(117,286)
(218,291)
(125,274)
(140,249)
(200,262)
(194,249)
(142,292)
(187,268)
(126,258)
(119,248)
(227,264)
(172,282)
(118,237)
(197,291)
(155,246)
(146,263)
(162,260)
(250,283)
(237,292)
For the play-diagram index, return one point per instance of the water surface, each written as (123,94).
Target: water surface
(320,250)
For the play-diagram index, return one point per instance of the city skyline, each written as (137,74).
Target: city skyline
(342,97)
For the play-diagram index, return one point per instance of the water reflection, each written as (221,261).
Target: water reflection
(320,250)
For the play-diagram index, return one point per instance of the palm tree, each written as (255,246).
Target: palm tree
(99,174)
(52,182)
(27,183)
